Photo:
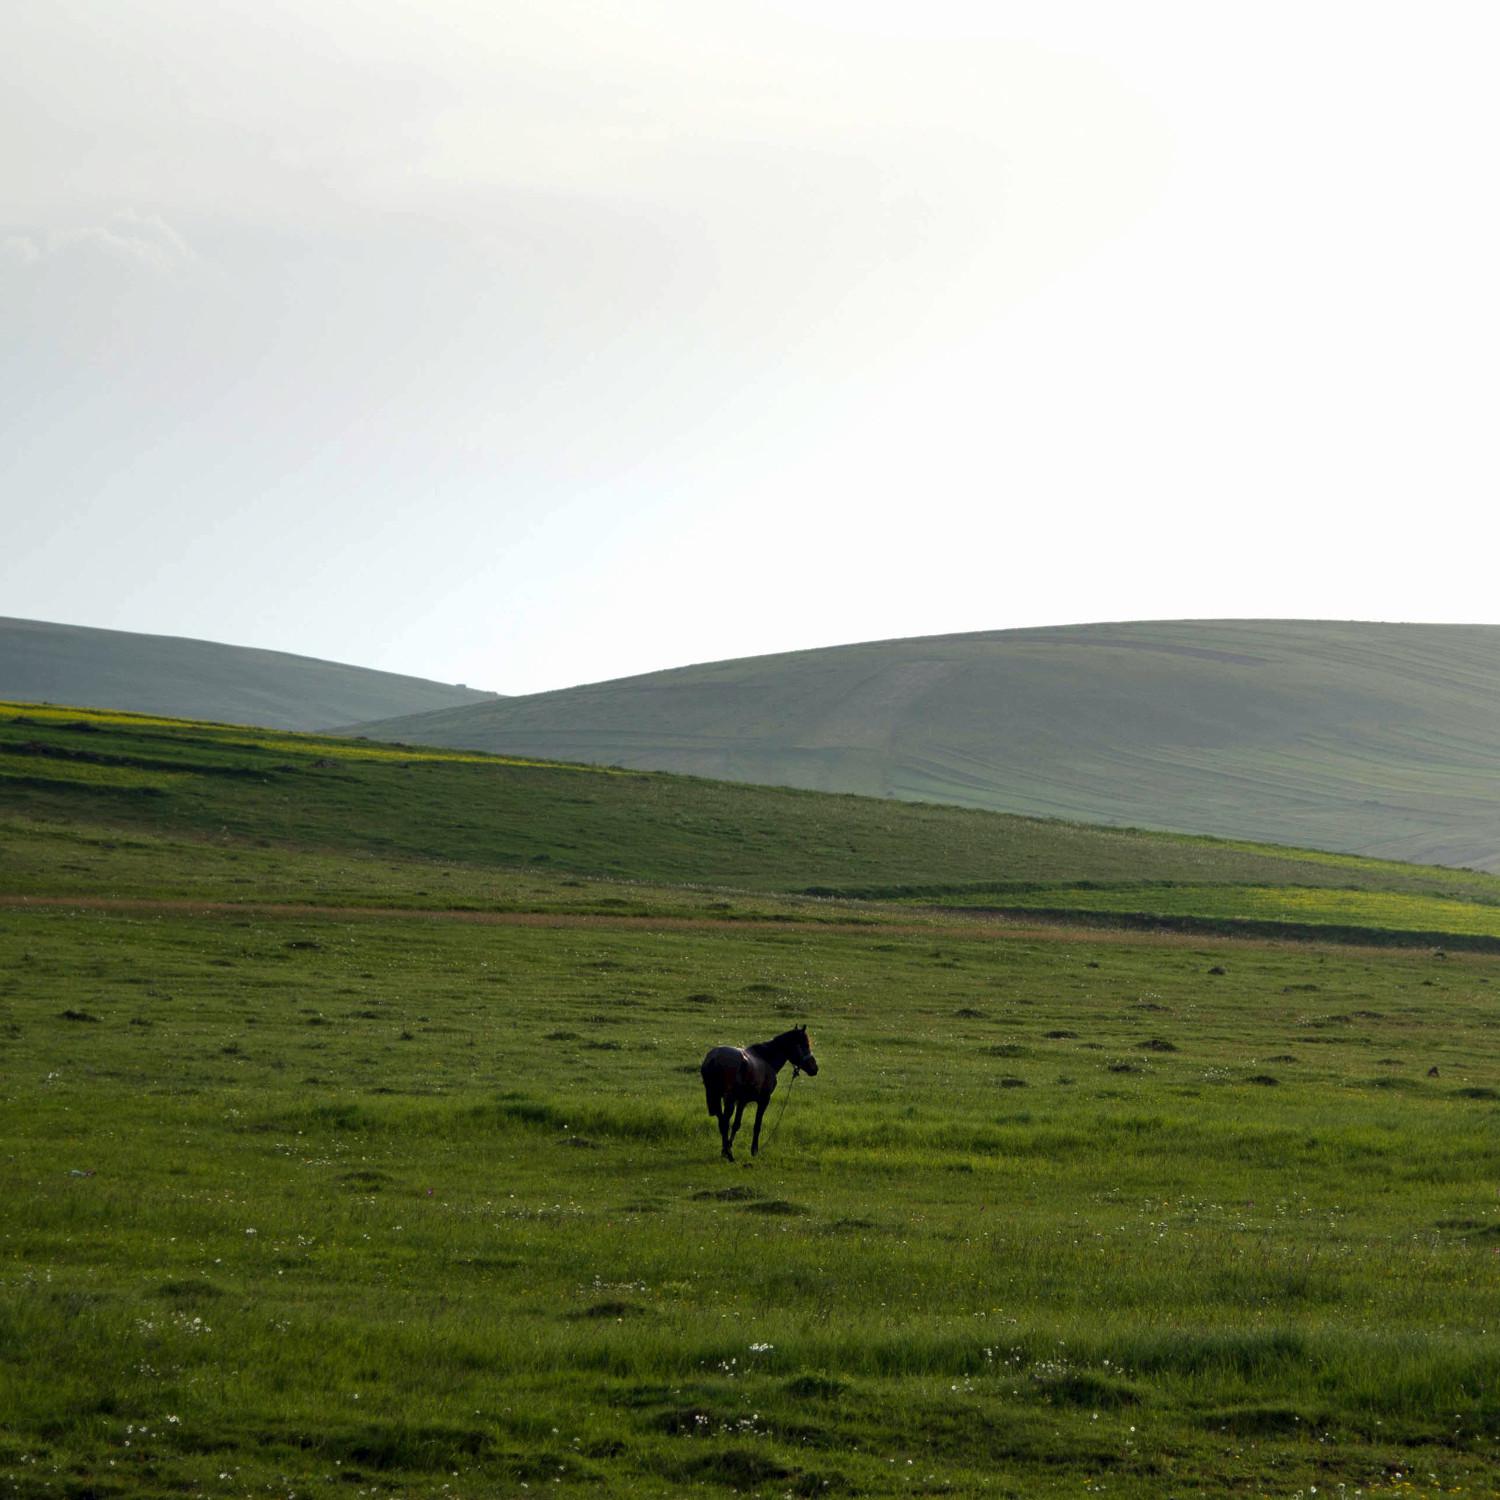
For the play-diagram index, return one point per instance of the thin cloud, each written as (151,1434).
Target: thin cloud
(144,240)
(20,249)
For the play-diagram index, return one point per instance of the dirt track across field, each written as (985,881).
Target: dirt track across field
(186,906)
(183,906)
(982,926)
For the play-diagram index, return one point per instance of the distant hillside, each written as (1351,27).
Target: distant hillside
(164,674)
(1367,738)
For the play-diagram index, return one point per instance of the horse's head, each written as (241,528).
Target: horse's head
(802,1056)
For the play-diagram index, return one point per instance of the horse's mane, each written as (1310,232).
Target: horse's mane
(775,1041)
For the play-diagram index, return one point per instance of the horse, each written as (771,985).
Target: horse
(733,1076)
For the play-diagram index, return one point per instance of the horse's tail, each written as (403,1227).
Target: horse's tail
(709,1090)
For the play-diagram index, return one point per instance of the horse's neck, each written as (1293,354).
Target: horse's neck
(774,1052)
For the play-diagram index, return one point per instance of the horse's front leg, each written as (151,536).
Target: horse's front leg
(760,1110)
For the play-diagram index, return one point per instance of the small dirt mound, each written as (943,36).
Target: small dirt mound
(1080,1388)
(685,1421)
(736,1469)
(1259,1421)
(612,1308)
(1479,1229)
(366,1180)
(192,1289)
(851,1225)
(815,1387)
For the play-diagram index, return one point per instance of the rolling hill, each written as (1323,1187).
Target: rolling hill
(183,678)
(128,805)
(1380,739)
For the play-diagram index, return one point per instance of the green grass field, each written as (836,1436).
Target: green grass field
(422,1199)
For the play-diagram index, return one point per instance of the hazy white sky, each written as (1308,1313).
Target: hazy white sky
(533,343)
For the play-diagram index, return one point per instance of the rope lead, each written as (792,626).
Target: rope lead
(786,1099)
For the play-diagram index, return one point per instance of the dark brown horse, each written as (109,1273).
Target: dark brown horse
(733,1076)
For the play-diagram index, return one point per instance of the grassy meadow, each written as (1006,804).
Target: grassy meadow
(342,1165)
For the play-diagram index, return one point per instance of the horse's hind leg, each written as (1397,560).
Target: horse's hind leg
(739,1114)
(726,1108)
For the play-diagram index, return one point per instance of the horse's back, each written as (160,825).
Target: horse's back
(737,1072)
(723,1060)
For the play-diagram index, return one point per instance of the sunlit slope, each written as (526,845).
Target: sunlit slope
(129,807)
(162,674)
(271,793)
(1377,739)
